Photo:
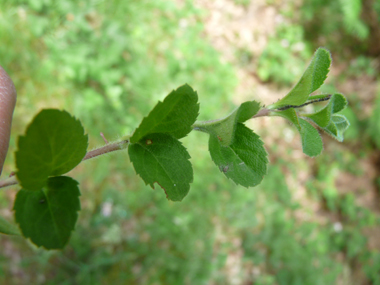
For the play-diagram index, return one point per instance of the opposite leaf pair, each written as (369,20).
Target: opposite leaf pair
(46,208)
(154,149)
(158,156)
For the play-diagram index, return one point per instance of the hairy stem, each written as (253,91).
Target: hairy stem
(106,149)
(262,113)
(199,126)
(8,182)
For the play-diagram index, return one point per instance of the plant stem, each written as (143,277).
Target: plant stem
(262,113)
(93,153)
(199,126)
(8,182)
(106,149)
(122,145)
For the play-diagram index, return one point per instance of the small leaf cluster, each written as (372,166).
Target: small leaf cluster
(327,119)
(46,207)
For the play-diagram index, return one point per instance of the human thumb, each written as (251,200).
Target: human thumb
(7,105)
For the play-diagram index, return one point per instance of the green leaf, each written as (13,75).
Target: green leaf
(244,161)
(289,114)
(312,144)
(317,97)
(323,117)
(224,129)
(174,116)
(311,80)
(49,215)
(339,102)
(341,122)
(311,140)
(247,110)
(162,159)
(8,228)
(54,144)
(374,122)
(338,125)
(332,130)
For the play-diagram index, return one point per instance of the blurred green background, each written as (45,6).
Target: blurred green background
(311,221)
